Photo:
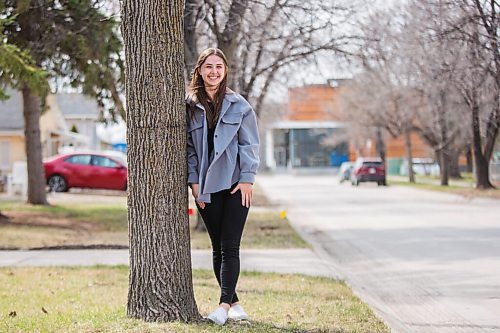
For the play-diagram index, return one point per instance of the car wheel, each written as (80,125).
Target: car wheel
(57,183)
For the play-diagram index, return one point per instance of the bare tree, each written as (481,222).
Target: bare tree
(475,26)
(382,95)
(160,281)
(407,81)
(262,38)
(435,60)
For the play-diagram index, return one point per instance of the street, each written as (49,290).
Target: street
(424,261)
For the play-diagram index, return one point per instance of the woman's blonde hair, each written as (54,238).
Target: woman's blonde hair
(196,88)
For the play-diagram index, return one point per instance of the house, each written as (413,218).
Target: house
(11,132)
(55,131)
(64,112)
(81,114)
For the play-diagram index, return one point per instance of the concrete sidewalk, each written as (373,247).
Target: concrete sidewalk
(303,261)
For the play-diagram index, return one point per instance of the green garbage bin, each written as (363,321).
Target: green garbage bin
(394,165)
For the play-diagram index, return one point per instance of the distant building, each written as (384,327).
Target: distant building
(81,113)
(11,132)
(312,134)
(65,111)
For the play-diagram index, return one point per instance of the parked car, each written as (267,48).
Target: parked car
(85,170)
(345,171)
(368,170)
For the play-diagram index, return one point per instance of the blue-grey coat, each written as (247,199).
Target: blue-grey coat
(235,157)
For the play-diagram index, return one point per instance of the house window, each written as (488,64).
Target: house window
(4,155)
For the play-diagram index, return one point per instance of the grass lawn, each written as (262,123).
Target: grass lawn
(454,189)
(90,224)
(463,186)
(94,300)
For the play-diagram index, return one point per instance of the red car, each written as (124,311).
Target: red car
(368,170)
(85,170)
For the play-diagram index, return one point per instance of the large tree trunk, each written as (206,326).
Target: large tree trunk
(444,160)
(444,166)
(481,164)
(468,157)
(481,159)
(454,164)
(160,280)
(379,144)
(227,40)
(36,177)
(191,8)
(409,155)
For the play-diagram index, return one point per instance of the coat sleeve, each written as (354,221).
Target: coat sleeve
(248,147)
(192,157)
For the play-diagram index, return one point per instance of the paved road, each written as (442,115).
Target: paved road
(424,261)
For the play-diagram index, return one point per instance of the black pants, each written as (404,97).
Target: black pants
(225,219)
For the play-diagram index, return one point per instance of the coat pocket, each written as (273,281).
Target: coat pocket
(193,125)
(231,118)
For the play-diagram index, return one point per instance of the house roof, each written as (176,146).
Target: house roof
(11,111)
(74,105)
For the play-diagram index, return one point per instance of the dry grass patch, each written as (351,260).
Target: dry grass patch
(92,224)
(264,230)
(94,300)
(453,189)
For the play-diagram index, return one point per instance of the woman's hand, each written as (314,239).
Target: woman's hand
(246,193)
(195,190)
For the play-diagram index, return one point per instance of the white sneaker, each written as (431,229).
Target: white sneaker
(219,316)
(236,312)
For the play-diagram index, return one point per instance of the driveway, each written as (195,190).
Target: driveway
(424,261)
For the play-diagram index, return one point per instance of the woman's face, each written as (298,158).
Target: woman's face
(213,71)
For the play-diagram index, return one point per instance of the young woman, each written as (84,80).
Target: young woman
(223,156)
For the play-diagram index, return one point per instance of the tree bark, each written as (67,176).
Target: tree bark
(454,164)
(481,164)
(468,157)
(444,166)
(444,161)
(190,36)
(160,280)
(36,176)
(409,155)
(228,39)
(379,144)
